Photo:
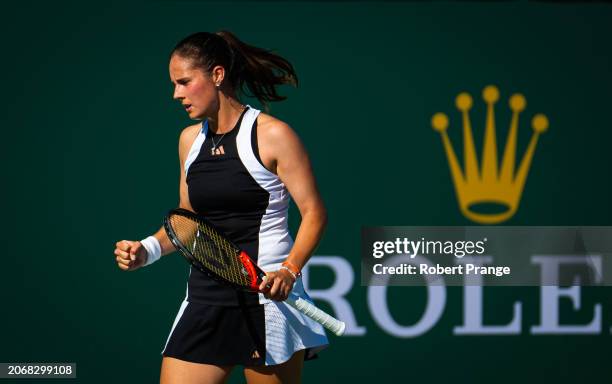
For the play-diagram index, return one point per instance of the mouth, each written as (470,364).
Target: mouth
(188,107)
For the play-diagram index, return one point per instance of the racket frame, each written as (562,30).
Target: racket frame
(334,325)
(257,274)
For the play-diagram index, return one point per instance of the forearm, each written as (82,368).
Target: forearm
(308,236)
(164,241)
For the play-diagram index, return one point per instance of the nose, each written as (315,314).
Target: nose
(177,94)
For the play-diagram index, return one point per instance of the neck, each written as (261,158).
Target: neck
(226,116)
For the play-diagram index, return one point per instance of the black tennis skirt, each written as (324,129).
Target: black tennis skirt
(264,334)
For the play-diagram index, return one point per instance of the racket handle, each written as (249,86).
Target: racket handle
(332,324)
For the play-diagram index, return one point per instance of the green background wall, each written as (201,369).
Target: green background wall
(89,157)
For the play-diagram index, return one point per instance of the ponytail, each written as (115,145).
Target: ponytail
(250,70)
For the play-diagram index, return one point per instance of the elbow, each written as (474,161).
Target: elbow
(315,214)
(322,216)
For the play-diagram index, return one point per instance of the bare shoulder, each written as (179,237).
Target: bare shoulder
(190,132)
(273,130)
(187,137)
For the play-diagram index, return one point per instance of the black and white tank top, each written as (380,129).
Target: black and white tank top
(248,203)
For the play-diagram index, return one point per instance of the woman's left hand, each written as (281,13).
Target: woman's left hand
(277,285)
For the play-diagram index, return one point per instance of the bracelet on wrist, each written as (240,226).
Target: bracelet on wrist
(292,268)
(290,272)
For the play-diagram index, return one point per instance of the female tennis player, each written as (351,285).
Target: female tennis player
(238,167)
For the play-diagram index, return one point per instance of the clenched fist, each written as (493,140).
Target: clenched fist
(130,255)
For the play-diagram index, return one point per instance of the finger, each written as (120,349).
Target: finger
(266,290)
(133,250)
(123,261)
(286,292)
(122,254)
(264,287)
(124,245)
(123,267)
(274,291)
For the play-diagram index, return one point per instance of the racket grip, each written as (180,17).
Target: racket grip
(332,324)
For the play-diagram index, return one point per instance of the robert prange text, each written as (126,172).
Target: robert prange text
(439,270)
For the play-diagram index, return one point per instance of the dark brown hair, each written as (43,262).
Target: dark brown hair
(250,70)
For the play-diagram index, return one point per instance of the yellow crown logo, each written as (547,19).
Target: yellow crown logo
(489,184)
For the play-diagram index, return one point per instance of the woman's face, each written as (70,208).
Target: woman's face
(193,88)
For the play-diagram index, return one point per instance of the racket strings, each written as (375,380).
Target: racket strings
(210,249)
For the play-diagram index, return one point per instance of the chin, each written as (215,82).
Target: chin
(195,116)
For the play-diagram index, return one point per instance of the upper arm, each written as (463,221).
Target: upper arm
(186,139)
(293,165)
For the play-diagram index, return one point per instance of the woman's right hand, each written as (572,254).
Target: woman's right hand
(130,255)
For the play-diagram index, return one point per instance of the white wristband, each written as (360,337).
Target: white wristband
(151,244)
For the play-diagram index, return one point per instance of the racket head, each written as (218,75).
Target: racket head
(211,252)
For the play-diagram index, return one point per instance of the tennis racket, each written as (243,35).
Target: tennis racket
(211,252)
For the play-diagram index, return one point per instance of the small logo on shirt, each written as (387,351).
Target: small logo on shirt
(255,355)
(218,151)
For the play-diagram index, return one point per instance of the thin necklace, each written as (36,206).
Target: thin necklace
(215,145)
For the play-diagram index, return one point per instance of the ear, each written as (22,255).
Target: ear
(218,74)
